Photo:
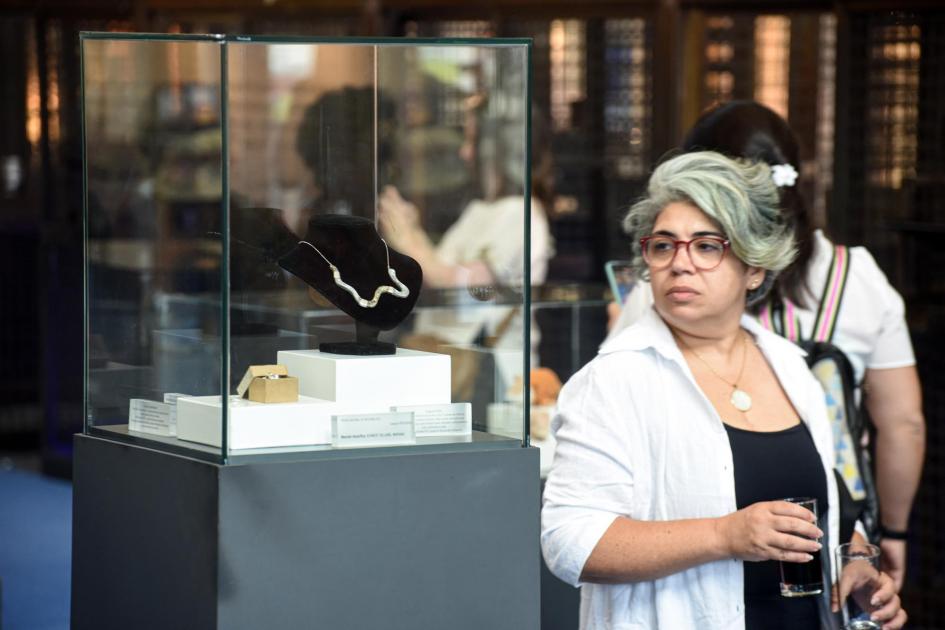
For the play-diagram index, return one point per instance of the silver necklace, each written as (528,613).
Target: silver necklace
(400,291)
(740,399)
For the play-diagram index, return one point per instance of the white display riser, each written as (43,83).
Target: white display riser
(329,384)
(409,377)
(264,425)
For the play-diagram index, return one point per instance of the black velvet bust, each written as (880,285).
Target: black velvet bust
(353,245)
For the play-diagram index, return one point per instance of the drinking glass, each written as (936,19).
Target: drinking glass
(800,579)
(858,571)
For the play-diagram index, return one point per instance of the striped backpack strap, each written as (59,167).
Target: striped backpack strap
(830,300)
(781,317)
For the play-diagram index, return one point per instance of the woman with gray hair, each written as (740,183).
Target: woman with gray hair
(868,315)
(678,442)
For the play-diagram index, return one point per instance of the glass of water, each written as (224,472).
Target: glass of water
(858,570)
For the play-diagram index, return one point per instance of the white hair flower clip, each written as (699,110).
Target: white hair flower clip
(783,175)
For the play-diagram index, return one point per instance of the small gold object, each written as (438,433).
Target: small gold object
(268,384)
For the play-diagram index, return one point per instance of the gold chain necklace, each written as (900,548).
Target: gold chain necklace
(401,290)
(739,398)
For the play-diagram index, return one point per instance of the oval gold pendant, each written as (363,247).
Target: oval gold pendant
(740,400)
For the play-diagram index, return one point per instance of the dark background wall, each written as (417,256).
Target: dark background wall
(863,83)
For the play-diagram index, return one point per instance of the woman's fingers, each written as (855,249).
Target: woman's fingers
(787,542)
(390,199)
(888,611)
(391,193)
(786,508)
(885,601)
(897,622)
(798,557)
(885,605)
(796,526)
(885,590)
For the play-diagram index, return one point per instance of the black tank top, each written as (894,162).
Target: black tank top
(770,466)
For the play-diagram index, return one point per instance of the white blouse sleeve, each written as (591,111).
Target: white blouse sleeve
(591,480)
(892,347)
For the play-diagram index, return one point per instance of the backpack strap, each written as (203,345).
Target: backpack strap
(765,316)
(781,317)
(832,296)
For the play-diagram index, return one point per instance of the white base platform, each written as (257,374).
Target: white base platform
(256,425)
(409,377)
(329,384)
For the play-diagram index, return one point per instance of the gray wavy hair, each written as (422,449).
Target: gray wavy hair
(739,196)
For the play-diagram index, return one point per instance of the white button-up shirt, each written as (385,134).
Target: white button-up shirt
(638,438)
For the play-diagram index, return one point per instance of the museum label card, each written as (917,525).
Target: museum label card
(372,429)
(148,416)
(451,419)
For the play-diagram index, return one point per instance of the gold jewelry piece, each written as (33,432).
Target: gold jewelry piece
(740,399)
(400,291)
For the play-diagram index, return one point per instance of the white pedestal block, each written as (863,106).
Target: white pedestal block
(409,377)
(256,425)
(329,384)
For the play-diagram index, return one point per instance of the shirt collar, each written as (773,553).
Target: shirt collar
(650,331)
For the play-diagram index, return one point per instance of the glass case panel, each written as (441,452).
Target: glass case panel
(456,196)
(153,135)
(349,212)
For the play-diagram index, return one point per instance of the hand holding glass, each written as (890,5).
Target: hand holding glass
(858,570)
(799,579)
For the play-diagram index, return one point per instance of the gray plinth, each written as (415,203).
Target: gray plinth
(367,540)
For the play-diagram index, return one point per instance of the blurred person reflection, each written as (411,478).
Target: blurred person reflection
(485,245)
(484,248)
(338,142)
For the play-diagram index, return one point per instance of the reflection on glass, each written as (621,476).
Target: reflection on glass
(458,210)
(153,151)
(424,143)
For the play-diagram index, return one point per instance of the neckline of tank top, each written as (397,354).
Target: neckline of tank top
(793,427)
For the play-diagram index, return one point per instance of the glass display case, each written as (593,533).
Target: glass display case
(306,244)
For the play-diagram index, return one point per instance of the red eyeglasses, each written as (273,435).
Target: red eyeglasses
(705,252)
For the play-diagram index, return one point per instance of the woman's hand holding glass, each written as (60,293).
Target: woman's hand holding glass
(866,594)
(770,530)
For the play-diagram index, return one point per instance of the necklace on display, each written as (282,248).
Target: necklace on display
(740,399)
(400,290)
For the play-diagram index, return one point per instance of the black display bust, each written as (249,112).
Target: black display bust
(354,247)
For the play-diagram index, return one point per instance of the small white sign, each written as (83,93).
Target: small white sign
(440,420)
(374,429)
(148,416)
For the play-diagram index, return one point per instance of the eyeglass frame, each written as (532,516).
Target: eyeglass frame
(726,245)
